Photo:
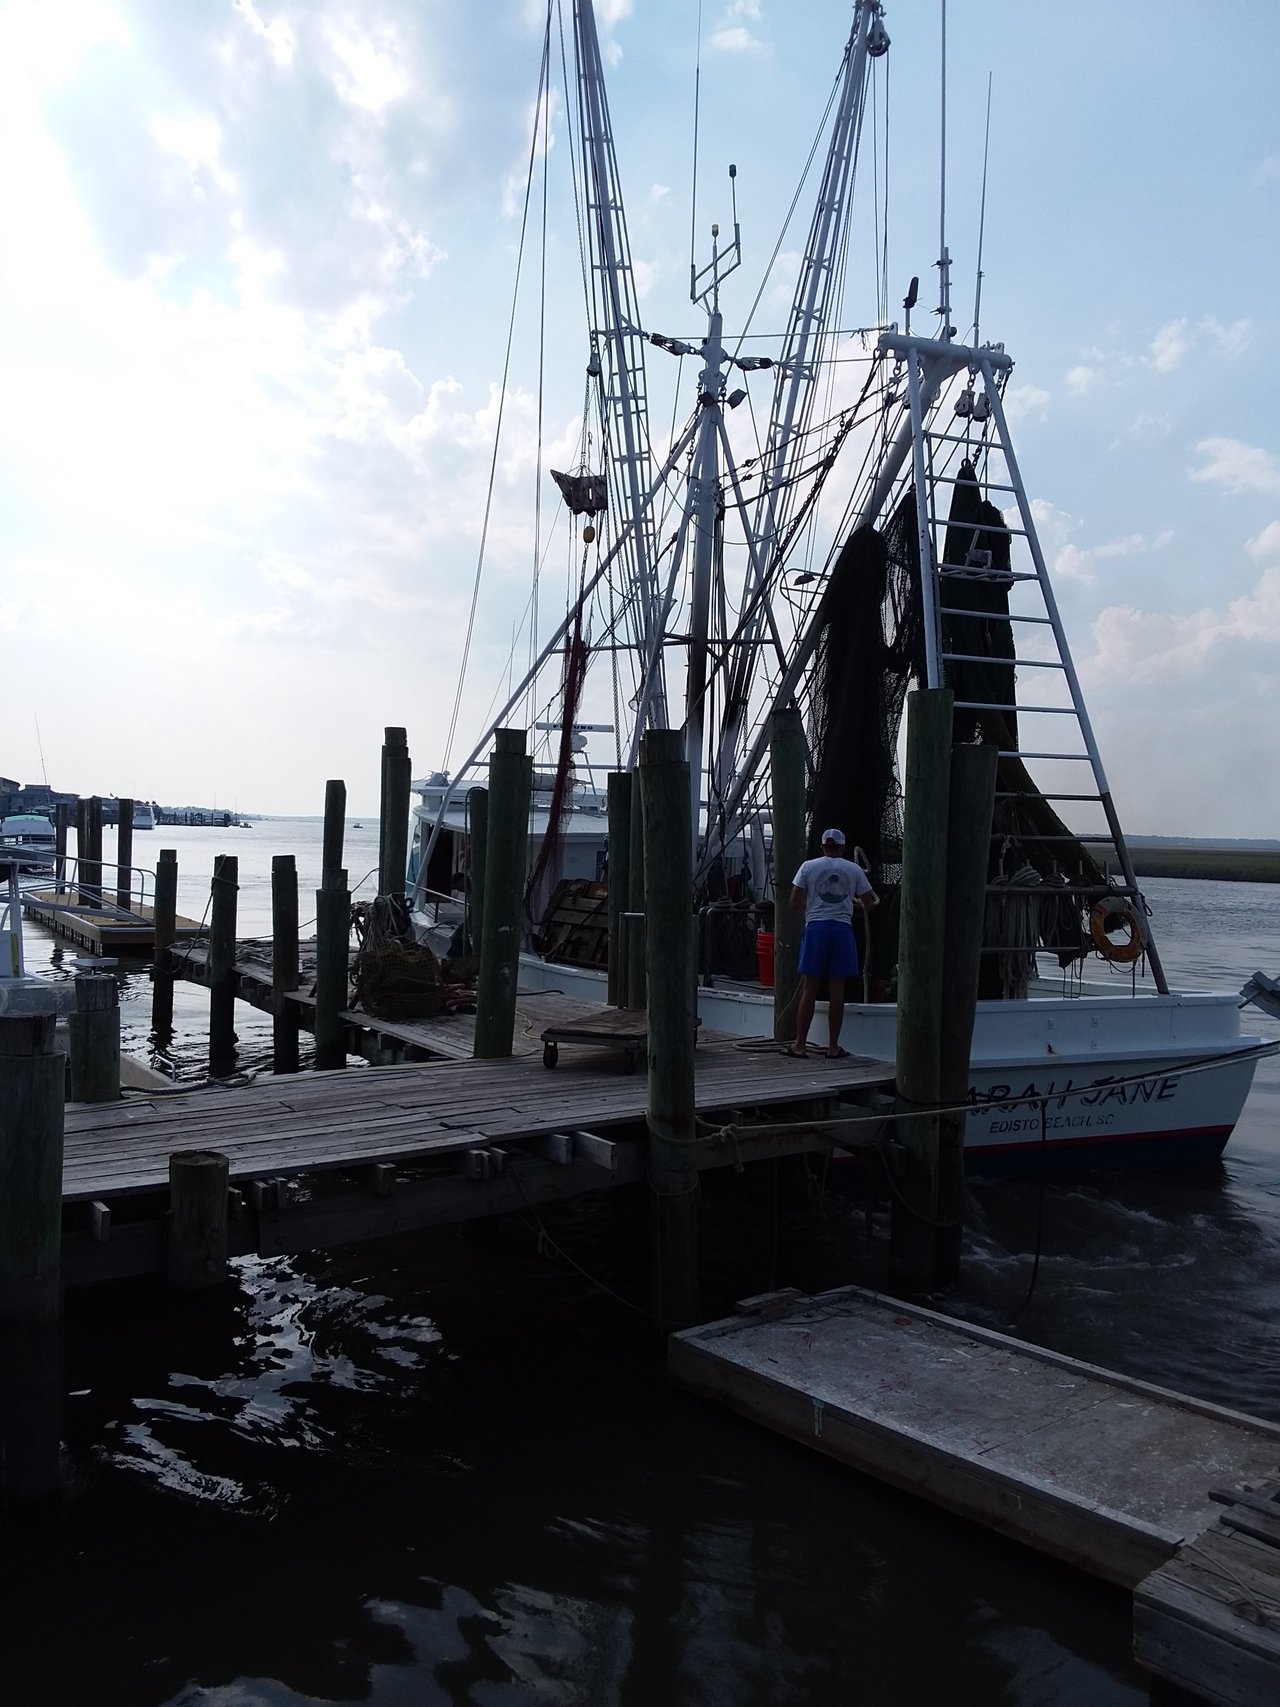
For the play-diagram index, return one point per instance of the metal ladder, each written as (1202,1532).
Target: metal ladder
(979,432)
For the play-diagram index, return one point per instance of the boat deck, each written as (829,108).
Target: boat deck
(1108,1473)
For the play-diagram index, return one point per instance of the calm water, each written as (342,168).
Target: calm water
(449,1469)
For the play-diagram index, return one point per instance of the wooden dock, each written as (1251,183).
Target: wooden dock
(104,930)
(1209,1620)
(1107,1473)
(382,1042)
(319,1159)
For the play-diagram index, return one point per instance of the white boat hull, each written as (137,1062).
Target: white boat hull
(1125,1081)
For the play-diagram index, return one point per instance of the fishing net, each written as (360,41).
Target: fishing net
(870,651)
(1027,832)
(393,977)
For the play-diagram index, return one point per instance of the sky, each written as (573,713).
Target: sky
(255,282)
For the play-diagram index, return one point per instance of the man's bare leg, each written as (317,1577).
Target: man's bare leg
(835,1014)
(805,1004)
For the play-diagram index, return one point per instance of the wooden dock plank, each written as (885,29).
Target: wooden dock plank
(1209,1620)
(328,1121)
(1104,1471)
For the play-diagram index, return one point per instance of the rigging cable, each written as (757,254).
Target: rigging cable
(542,370)
(497,432)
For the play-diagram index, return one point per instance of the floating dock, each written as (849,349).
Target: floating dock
(320,1159)
(105,929)
(1108,1473)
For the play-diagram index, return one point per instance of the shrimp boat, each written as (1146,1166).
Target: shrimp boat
(877,536)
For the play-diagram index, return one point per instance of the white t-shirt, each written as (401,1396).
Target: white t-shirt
(831,886)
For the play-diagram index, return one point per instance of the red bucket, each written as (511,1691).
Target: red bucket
(764,957)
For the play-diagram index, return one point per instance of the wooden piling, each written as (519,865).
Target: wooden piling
(197,1255)
(82,851)
(124,856)
(333,943)
(94,843)
(61,823)
(393,842)
(284,963)
(637,978)
(222,964)
(971,803)
(788,752)
(93,1032)
(164,921)
(478,821)
(506,856)
(672,1025)
(619,786)
(914,1225)
(335,823)
(32,1081)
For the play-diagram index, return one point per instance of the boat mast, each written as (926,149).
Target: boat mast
(622,374)
(800,366)
(704,506)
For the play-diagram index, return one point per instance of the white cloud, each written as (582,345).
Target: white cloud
(278,34)
(1021,402)
(1237,467)
(1267,543)
(735,39)
(1232,339)
(1072,562)
(1143,646)
(369,71)
(1169,346)
(1081,378)
(1268,172)
(1149,424)
(43,44)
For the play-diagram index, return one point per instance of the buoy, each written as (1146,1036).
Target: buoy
(588,534)
(1118,913)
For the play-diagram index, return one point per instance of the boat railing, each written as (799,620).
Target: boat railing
(117,891)
(735,924)
(430,901)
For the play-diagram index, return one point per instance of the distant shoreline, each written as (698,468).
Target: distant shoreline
(1221,865)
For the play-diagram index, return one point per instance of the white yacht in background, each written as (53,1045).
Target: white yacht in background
(874,534)
(29,839)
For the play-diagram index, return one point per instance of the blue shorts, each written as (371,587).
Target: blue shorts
(828,949)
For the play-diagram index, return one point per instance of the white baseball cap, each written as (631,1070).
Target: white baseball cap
(836,836)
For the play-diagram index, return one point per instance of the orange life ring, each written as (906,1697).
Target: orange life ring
(1124,953)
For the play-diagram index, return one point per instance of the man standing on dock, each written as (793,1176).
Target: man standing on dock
(828,889)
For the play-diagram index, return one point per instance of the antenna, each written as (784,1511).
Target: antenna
(693,177)
(40,748)
(982,213)
(717,268)
(944,259)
